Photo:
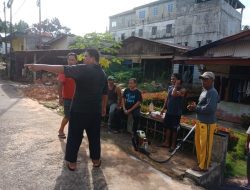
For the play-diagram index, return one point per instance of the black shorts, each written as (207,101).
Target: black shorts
(66,107)
(172,121)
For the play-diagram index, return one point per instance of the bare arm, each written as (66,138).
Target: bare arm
(119,97)
(50,68)
(181,92)
(134,106)
(123,104)
(60,87)
(104,104)
(164,105)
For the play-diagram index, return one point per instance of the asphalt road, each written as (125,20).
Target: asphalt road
(32,156)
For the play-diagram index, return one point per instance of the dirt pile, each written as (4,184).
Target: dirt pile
(41,92)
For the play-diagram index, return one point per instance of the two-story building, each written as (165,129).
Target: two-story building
(185,22)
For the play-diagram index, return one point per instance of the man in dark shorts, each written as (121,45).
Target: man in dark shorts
(173,104)
(66,90)
(88,105)
(131,101)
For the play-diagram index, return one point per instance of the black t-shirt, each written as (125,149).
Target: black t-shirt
(91,84)
(131,97)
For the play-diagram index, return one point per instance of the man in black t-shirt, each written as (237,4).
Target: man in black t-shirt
(131,101)
(88,105)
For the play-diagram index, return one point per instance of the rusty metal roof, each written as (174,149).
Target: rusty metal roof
(128,40)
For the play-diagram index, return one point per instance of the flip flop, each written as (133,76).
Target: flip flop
(71,169)
(198,169)
(98,164)
(62,136)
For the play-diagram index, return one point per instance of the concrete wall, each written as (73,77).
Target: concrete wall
(205,22)
(229,111)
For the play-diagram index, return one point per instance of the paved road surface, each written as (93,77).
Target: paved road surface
(31,155)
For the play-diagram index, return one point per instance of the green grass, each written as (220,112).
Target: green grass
(236,159)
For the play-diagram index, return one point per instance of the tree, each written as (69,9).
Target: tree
(2,26)
(52,26)
(246,27)
(21,26)
(104,42)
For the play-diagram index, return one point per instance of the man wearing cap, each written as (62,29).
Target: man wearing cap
(206,124)
(114,101)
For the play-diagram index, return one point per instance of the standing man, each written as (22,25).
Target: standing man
(114,101)
(206,125)
(131,101)
(173,104)
(88,105)
(66,90)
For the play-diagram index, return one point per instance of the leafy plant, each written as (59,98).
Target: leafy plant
(104,42)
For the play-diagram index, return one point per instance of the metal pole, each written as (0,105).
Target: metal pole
(5,27)
(40,25)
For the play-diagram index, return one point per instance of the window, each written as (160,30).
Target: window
(208,41)
(199,43)
(140,32)
(154,30)
(133,33)
(142,14)
(186,43)
(113,24)
(169,28)
(170,7)
(122,36)
(155,11)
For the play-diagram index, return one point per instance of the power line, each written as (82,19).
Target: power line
(19,7)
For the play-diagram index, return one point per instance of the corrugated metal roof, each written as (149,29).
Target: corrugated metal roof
(228,40)
(235,49)
(158,42)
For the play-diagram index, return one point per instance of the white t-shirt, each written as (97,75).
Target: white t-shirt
(248,130)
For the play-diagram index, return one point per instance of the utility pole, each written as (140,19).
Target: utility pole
(38,3)
(9,5)
(5,27)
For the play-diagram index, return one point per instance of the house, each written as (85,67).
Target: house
(23,41)
(154,57)
(229,59)
(62,42)
(185,22)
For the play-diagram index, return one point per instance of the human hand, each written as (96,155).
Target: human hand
(103,112)
(61,101)
(191,106)
(125,111)
(32,67)
(177,83)
(162,111)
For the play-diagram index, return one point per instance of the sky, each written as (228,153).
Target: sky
(81,16)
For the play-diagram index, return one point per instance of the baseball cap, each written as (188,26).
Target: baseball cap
(111,78)
(207,75)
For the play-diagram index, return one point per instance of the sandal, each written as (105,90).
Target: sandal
(62,136)
(97,165)
(68,166)
(198,169)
